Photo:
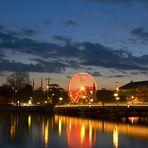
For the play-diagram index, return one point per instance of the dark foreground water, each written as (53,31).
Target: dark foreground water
(24,130)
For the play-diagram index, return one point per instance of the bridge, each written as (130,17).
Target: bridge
(101,104)
(119,109)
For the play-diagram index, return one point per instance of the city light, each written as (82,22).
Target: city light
(117,98)
(60,99)
(83,97)
(115,94)
(29,120)
(91,100)
(29,102)
(82,88)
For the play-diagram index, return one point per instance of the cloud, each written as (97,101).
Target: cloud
(42,66)
(122,3)
(29,32)
(139,35)
(96,74)
(118,76)
(48,66)
(70,23)
(1,27)
(26,45)
(2,56)
(62,38)
(73,63)
(144,59)
(98,55)
(127,3)
(56,58)
(139,72)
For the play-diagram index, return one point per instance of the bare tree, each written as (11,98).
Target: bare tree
(18,80)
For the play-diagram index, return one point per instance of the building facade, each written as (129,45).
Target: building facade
(135,92)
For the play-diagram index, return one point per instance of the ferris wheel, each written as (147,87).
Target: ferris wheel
(82,88)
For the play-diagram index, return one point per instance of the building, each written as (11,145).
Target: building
(135,91)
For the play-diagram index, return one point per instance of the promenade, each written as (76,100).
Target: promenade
(94,110)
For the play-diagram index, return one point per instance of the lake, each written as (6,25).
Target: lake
(38,130)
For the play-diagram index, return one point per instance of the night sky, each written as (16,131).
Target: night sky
(58,38)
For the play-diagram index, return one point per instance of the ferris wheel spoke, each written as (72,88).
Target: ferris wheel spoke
(81,86)
(75,93)
(75,83)
(78,94)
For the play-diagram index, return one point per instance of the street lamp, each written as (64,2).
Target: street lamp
(60,99)
(47,86)
(15,91)
(12,95)
(116,94)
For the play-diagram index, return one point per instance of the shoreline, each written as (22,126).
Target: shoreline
(88,112)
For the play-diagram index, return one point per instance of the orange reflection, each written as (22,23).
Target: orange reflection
(45,132)
(82,132)
(133,119)
(13,126)
(115,137)
(60,127)
(90,134)
(80,135)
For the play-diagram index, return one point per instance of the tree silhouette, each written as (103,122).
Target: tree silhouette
(18,80)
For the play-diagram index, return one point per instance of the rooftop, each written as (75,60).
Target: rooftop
(134,85)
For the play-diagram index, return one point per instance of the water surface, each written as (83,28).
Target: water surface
(36,130)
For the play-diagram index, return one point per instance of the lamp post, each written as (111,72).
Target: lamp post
(17,102)
(60,100)
(116,94)
(47,86)
(12,101)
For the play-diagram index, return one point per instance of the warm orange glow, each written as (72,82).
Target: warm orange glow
(117,98)
(70,124)
(115,137)
(90,134)
(82,88)
(123,129)
(84,97)
(46,134)
(133,119)
(79,134)
(115,94)
(82,133)
(60,127)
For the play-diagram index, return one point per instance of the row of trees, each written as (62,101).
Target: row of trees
(18,88)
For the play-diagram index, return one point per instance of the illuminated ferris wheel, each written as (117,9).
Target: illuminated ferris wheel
(82,88)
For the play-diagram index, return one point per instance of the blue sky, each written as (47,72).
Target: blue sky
(56,39)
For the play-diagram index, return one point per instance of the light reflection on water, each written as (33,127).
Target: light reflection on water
(42,130)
